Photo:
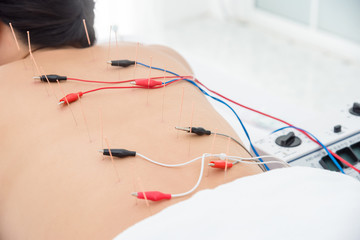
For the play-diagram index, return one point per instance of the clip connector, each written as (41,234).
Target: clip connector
(197,130)
(72,97)
(51,78)
(152,195)
(146,82)
(120,153)
(121,63)
(221,164)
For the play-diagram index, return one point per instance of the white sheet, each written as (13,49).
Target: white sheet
(292,203)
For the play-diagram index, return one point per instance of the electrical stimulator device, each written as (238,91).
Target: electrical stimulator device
(296,149)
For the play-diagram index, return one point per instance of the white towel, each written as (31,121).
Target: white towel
(290,203)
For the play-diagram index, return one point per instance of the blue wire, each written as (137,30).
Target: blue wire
(142,64)
(242,125)
(215,98)
(322,145)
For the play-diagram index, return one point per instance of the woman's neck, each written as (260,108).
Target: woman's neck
(11,48)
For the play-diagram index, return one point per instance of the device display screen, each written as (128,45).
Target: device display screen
(356,149)
(348,155)
(327,163)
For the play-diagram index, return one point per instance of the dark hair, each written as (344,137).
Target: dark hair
(51,23)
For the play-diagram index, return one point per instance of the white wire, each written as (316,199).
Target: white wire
(199,179)
(267,162)
(216,155)
(195,159)
(205,155)
(250,158)
(168,165)
(245,160)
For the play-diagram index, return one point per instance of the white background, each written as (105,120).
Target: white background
(296,72)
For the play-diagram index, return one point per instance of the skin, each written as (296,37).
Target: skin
(8,48)
(54,184)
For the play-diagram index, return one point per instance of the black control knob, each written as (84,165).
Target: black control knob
(355,109)
(337,128)
(288,140)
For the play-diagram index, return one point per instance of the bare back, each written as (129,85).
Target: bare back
(54,184)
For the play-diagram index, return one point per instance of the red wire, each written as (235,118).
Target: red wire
(103,88)
(182,77)
(228,99)
(116,82)
(280,120)
(344,161)
(160,86)
(125,87)
(92,81)
(171,77)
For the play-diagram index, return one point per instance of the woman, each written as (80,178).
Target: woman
(51,24)
(54,184)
